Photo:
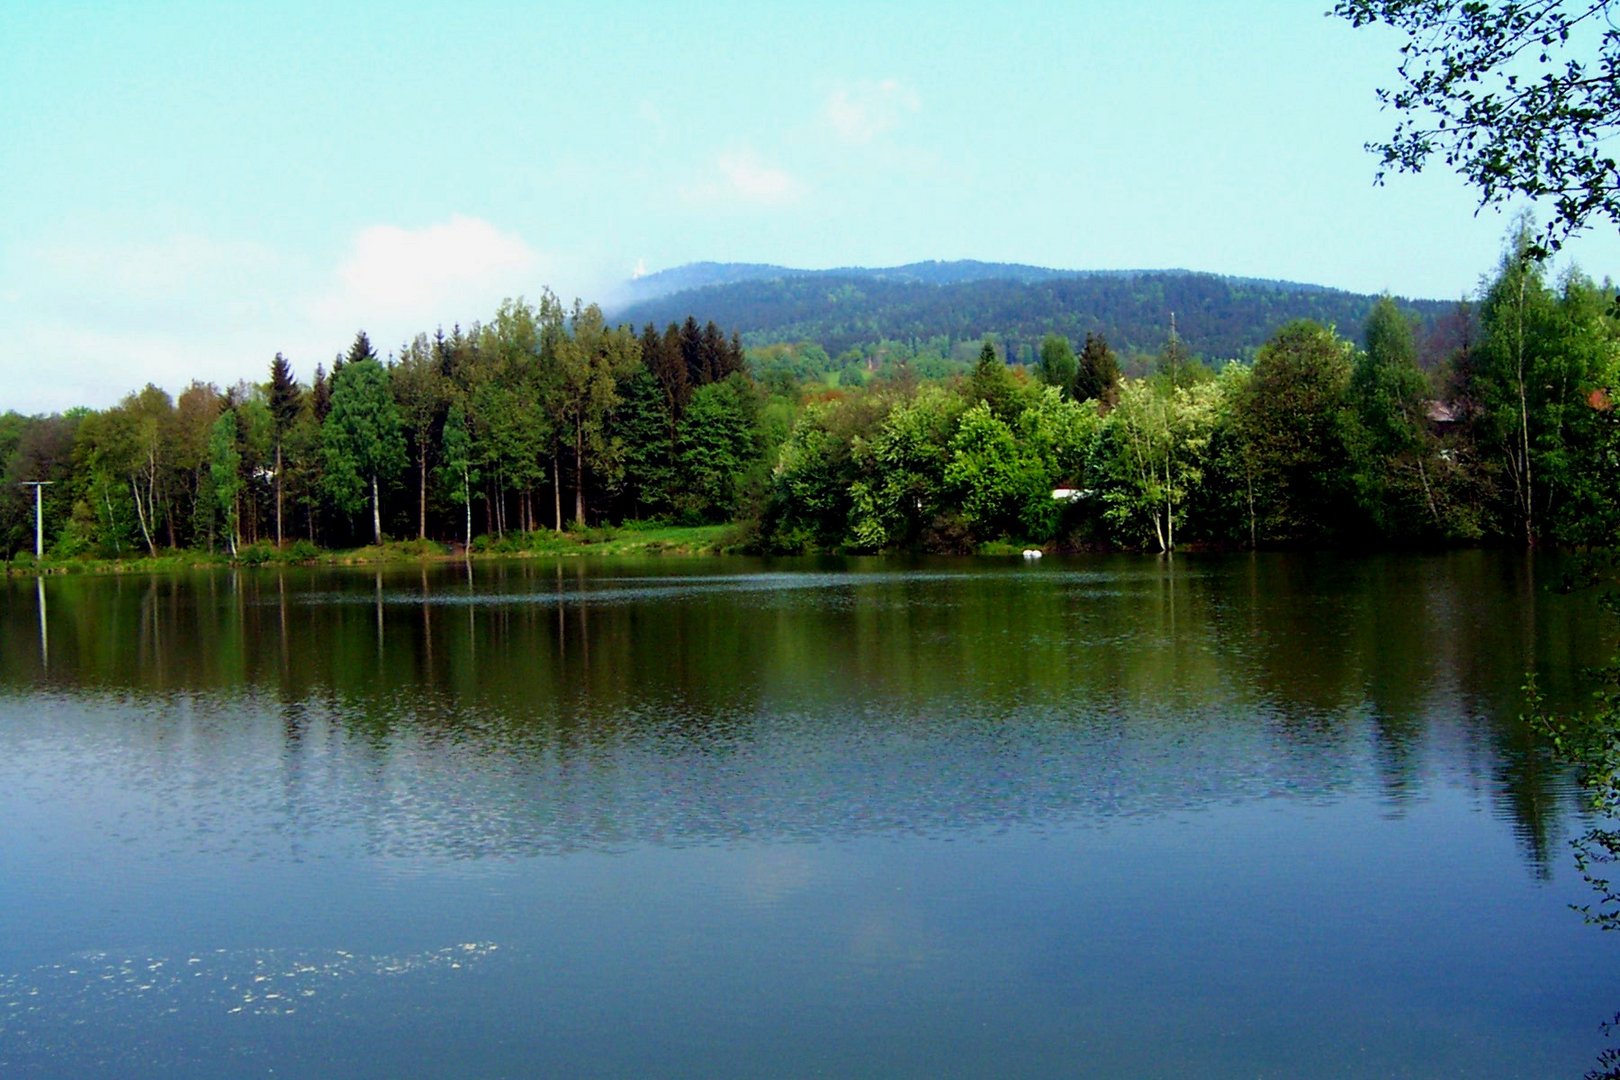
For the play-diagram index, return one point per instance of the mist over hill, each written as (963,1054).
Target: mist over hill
(855,307)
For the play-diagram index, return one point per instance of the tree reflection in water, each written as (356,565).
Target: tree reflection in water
(1591,742)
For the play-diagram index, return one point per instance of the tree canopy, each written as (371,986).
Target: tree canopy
(1520,97)
(1498,424)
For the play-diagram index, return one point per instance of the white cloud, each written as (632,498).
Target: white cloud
(741,176)
(755,181)
(860,112)
(455,269)
(91,322)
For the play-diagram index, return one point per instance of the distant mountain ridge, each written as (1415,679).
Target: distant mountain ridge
(852,307)
(700,275)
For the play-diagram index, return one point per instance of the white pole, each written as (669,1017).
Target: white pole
(39,513)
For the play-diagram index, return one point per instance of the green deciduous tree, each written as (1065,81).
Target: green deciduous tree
(1058,364)
(1520,381)
(1002,480)
(590,361)
(901,494)
(225,476)
(1398,455)
(363,439)
(810,505)
(457,466)
(145,424)
(255,442)
(1587,461)
(420,390)
(985,472)
(513,381)
(195,412)
(1152,454)
(1293,422)
(1518,96)
(719,447)
(103,453)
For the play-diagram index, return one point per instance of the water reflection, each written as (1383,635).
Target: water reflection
(685,702)
(44,629)
(1251,802)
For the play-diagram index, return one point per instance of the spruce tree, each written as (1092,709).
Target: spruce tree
(1098,374)
(284,403)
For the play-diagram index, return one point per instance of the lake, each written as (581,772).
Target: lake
(1248,815)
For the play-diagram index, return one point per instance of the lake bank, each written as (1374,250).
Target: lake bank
(630,539)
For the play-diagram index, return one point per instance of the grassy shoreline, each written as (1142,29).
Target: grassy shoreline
(634,538)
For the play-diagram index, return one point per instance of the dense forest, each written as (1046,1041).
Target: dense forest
(935,308)
(548,418)
(957,271)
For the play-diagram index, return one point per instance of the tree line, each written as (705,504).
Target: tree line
(539,417)
(1321,440)
(546,417)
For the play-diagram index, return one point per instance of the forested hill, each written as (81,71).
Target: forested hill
(1217,316)
(703,274)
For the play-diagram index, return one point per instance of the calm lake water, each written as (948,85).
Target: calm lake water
(1221,816)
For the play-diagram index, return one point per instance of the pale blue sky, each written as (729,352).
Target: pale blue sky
(190,188)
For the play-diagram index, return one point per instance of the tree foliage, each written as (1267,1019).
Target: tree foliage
(1058,364)
(1496,424)
(1520,97)
(364,442)
(225,476)
(864,318)
(1293,422)
(1097,376)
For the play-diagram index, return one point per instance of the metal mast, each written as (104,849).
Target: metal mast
(39,513)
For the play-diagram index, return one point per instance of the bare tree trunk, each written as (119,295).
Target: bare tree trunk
(579,473)
(1169,507)
(376,511)
(1169,517)
(1527,486)
(277,493)
(556,491)
(421,493)
(1248,484)
(140,515)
